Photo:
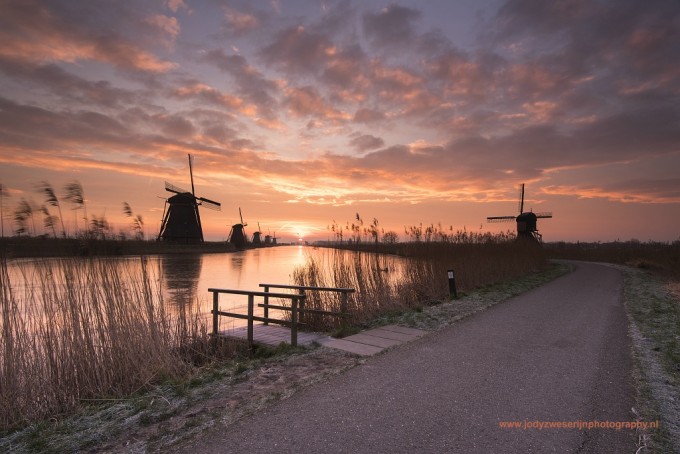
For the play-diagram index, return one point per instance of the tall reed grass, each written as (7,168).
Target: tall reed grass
(409,275)
(77,330)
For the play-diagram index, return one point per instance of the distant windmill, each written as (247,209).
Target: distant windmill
(237,236)
(257,236)
(181,220)
(526,222)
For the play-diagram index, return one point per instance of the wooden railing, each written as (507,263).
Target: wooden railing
(297,307)
(301,289)
(251,317)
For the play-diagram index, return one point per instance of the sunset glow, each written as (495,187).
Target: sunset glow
(305,113)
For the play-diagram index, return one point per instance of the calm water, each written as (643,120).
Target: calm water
(186,278)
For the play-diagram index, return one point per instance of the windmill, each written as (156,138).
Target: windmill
(257,236)
(237,236)
(181,220)
(526,222)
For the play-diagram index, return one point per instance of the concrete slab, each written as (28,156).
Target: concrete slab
(352,347)
(366,338)
(366,343)
(380,332)
(404,330)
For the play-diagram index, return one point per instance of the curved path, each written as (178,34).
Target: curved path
(557,353)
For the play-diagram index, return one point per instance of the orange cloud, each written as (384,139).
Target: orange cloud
(38,35)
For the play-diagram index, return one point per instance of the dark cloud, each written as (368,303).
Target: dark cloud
(250,82)
(369,116)
(66,85)
(37,31)
(391,27)
(366,142)
(296,50)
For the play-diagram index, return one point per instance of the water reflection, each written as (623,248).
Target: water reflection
(181,275)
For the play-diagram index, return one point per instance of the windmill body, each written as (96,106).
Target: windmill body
(527,222)
(181,219)
(257,236)
(182,222)
(238,236)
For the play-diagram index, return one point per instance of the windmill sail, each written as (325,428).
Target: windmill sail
(526,221)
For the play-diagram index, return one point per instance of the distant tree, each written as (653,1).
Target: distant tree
(390,237)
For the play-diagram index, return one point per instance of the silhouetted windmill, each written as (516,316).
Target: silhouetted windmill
(257,236)
(237,236)
(181,220)
(526,222)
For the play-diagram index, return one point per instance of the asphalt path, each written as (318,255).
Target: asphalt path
(559,353)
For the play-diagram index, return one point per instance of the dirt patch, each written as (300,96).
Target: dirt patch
(674,289)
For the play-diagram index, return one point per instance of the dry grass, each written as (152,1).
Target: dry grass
(413,276)
(86,330)
(654,312)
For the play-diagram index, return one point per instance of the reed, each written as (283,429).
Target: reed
(409,275)
(75,331)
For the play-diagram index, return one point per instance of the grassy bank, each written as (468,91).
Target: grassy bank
(654,311)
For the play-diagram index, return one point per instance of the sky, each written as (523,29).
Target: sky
(306,113)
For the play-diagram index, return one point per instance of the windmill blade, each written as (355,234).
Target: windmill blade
(191,175)
(501,218)
(209,204)
(521,199)
(544,214)
(172,188)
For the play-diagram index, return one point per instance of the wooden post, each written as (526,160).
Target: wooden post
(301,316)
(343,309)
(293,318)
(251,300)
(266,305)
(216,308)
(343,303)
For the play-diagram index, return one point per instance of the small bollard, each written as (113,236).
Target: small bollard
(452,285)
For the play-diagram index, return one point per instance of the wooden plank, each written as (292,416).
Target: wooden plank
(273,335)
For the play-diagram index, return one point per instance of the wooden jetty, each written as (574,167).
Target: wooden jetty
(272,331)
